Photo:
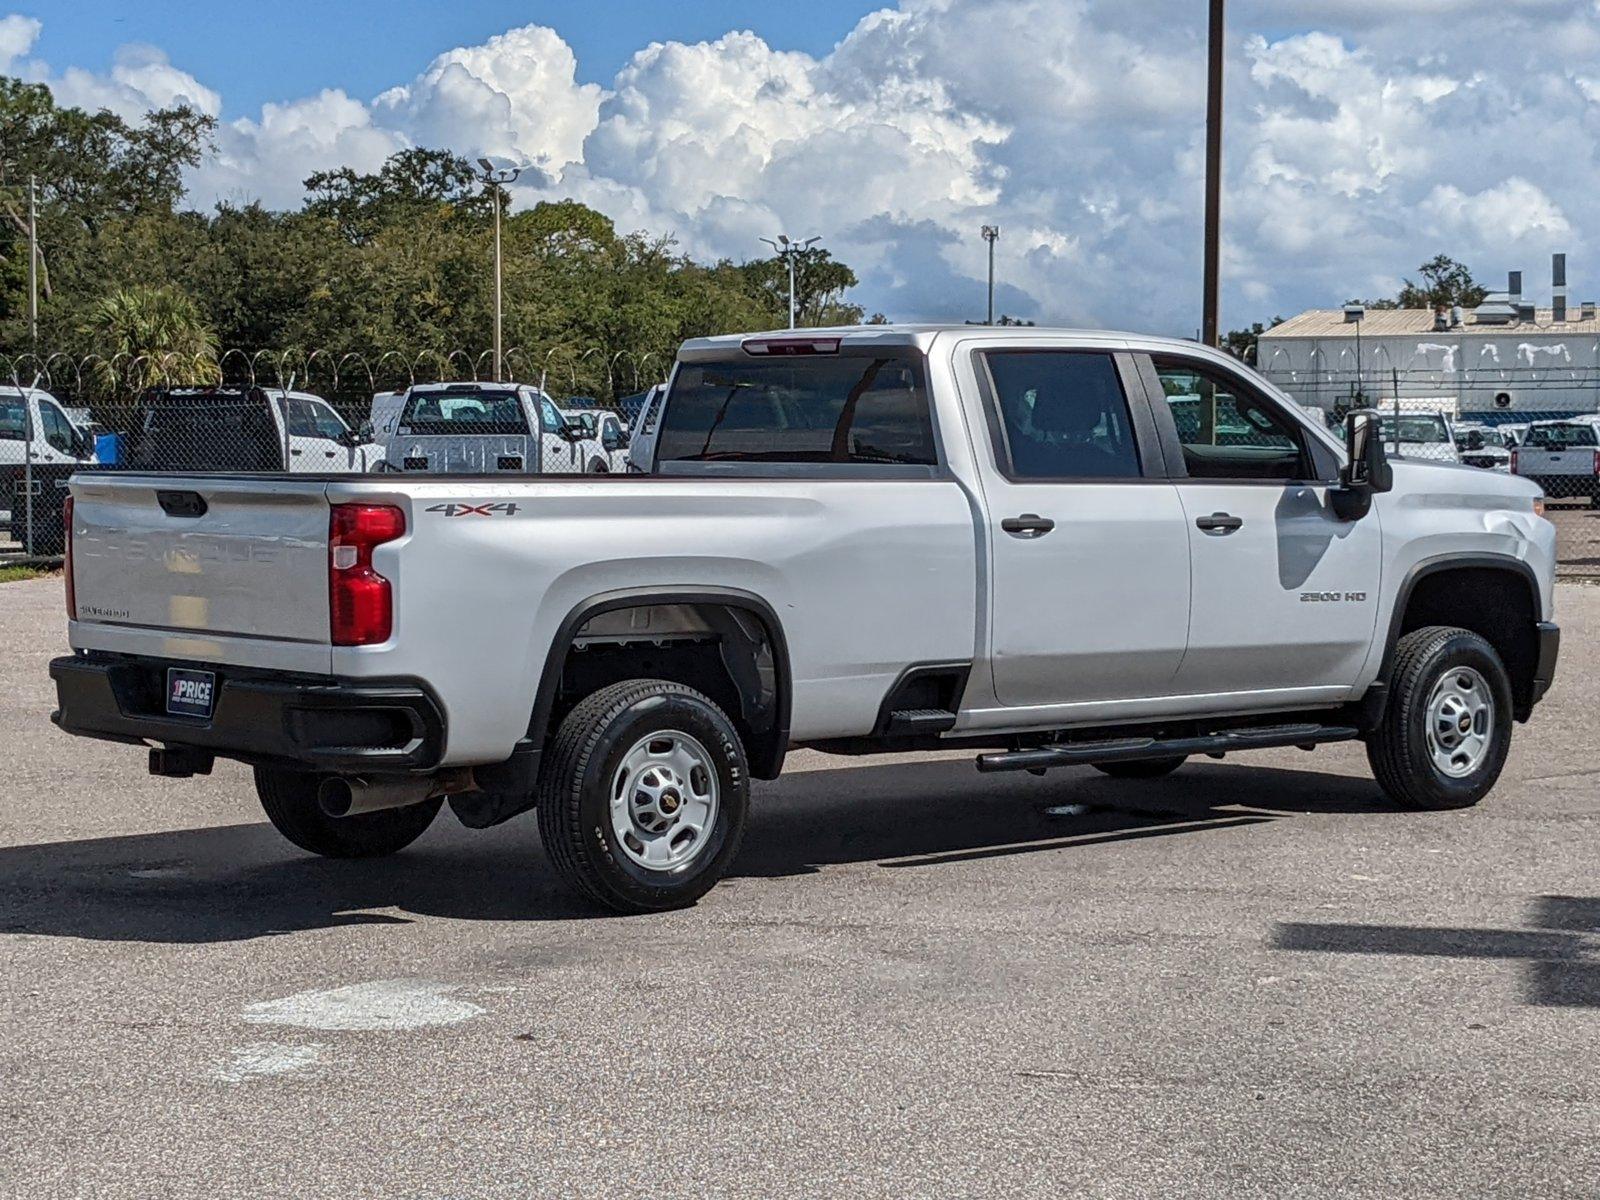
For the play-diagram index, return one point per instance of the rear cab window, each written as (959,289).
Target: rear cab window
(1563,437)
(858,408)
(463,412)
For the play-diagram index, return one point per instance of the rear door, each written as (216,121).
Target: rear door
(1284,592)
(1090,578)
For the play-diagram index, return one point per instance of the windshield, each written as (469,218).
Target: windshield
(1427,428)
(463,413)
(847,408)
(1562,437)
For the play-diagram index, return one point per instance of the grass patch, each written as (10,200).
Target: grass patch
(13,574)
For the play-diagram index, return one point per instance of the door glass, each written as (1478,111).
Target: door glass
(302,420)
(327,421)
(549,418)
(1062,415)
(1226,431)
(13,418)
(57,429)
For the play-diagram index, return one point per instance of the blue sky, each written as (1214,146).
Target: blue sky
(1363,136)
(284,49)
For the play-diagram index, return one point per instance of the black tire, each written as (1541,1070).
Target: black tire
(574,795)
(1398,748)
(1143,768)
(597,467)
(290,801)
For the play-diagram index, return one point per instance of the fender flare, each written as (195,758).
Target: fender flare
(765,766)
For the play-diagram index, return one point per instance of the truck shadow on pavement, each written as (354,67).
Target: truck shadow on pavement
(236,882)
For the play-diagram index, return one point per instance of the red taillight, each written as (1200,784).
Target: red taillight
(1597,462)
(360,603)
(66,559)
(1513,462)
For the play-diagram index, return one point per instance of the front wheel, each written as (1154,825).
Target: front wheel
(643,796)
(289,799)
(1445,733)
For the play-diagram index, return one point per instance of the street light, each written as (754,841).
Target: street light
(789,251)
(991,234)
(497,172)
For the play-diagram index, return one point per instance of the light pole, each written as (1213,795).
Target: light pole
(789,251)
(991,234)
(497,172)
(1213,234)
(33,261)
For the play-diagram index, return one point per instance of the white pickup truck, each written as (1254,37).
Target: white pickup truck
(862,540)
(1562,458)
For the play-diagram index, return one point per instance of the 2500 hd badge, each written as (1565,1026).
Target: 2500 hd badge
(1333,597)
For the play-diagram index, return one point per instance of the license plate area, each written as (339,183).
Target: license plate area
(191,693)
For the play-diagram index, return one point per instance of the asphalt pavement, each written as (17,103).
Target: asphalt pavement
(1252,979)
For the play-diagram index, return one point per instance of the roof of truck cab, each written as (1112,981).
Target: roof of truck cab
(922,335)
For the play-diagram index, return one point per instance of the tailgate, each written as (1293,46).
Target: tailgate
(480,454)
(1556,462)
(253,563)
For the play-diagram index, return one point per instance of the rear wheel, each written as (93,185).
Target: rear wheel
(1445,733)
(643,796)
(597,467)
(290,801)
(1144,768)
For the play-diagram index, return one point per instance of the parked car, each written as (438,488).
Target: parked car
(40,446)
(245,429)
(863,540)
(1484,446)
(1562,458)
(1420,435)
(484,428)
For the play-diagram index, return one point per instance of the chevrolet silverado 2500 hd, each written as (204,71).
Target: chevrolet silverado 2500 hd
(866,539)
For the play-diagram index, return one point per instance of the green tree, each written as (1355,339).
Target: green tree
(148,336)
(1444,282)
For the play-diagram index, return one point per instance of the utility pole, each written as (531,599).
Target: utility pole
(991,234)
(1213,234)
(790,250)
(496,173)
(33,261)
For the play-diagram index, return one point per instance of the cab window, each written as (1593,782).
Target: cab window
(1226,430)
(1061,415)
(549,418)
(57,429)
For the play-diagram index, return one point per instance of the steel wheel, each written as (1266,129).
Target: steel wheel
(664,800)
(1460,722)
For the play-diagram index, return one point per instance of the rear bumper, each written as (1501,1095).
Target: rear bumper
(1544,670)
(264,717)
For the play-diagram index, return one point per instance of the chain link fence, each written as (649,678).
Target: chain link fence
(561,410)
(568,409)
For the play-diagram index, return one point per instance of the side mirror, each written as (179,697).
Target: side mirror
(350,439)
(574,430)
(614,438)
(1367,471)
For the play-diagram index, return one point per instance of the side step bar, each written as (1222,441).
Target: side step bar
(1071,754)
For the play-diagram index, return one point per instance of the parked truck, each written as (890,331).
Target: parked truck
(1562,458)
(860,540)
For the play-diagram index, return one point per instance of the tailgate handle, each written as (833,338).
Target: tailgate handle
(182,504)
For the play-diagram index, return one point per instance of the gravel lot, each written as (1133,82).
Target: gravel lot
(1253,979)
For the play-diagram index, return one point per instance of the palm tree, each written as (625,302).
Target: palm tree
(151,335)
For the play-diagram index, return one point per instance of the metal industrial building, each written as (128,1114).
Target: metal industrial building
(1505,356)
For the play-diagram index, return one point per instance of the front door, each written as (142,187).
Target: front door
(1285,594)
(1090,579)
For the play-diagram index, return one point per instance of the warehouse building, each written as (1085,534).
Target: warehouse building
(1505,356)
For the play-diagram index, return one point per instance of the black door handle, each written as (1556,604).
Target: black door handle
(1219,523)
(1028,525)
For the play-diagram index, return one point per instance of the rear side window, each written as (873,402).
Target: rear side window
(846,408)
(1062,415)
(13,419)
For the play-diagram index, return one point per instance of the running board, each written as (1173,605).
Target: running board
(1075,754)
